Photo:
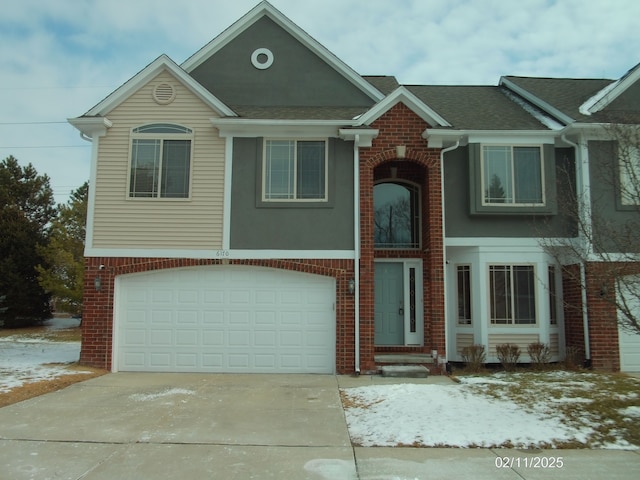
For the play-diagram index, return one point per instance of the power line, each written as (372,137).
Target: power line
(47,146)
(32,123)
(55,88)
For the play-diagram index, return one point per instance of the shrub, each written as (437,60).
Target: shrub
(573,358)
(473,357)
(539,353)
(508,354)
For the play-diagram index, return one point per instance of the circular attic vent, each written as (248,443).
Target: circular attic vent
(164,94)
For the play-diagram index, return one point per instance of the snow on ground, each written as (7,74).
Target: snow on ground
(469,414)
(143,397)
(28,359)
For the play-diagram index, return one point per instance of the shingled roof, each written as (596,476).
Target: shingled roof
(476,107)
(565,94)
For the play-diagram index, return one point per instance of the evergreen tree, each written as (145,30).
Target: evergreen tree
(64,254)
(26,210)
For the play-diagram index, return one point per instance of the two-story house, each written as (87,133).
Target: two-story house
(262,207)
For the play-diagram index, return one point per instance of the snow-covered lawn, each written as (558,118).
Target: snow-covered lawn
(32,358)
(545,410)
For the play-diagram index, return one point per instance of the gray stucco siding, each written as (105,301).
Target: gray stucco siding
(297,76)
(461,185)
(614,224)
(291,225)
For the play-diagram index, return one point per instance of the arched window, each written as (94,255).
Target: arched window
(160,161)
(396,215)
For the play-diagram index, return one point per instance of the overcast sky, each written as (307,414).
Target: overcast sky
(59,58)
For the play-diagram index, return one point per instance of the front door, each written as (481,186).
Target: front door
(389,303)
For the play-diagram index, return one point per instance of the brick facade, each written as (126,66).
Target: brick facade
(421,165)
(601,308)
(98,314)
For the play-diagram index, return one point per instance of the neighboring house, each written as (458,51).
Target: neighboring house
(264,208)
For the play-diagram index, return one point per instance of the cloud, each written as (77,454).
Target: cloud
(66,56)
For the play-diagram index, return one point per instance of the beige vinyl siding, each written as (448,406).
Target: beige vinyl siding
(554,344)
(194,223)
(463,340)
(522,340)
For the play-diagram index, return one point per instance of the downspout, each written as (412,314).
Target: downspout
(356,240)
(444,237)
(583,274)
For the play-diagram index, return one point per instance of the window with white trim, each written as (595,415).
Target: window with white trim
(513,294)
(160,161)
(629,167)
(464,294)
(553,297)
(295,170)
(512,175)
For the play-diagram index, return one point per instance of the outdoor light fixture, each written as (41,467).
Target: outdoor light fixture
(97,283)
(352,286)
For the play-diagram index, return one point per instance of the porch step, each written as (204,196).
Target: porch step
(405,371)
(403,358)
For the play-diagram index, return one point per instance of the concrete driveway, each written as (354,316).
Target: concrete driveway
(166,426)
(190,426)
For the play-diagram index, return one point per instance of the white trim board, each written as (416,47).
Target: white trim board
(221,254)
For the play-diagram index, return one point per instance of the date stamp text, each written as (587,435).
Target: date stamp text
(529,462)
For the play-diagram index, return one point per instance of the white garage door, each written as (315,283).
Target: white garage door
(629,351)
(629,341)
(225,319)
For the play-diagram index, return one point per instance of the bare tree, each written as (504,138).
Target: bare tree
(606,215)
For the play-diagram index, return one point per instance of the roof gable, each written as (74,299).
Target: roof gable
(403,95)
(160,64)
(610,93)
(266,23)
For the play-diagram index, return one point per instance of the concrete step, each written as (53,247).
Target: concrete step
(403,358)
(405,371)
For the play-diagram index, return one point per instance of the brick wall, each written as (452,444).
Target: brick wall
(97,319)
(572,297)
(401,126)
(601,308)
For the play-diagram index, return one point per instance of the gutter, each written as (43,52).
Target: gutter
(583,274)
(356,240)
(444,237)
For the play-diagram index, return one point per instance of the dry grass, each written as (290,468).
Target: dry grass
(34,389)
(582,399)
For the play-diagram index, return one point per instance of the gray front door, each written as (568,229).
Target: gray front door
(389,308)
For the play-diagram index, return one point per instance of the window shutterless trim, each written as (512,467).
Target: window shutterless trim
(294,200)
(512,204)
(467,319)
(160,131)
(511,321)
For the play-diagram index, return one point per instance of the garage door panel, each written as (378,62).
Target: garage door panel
(213,338)
(218,319)
(135,338)
(265,318)
(265,338)
(161,316)
(213,317)
(187,317)
(186,338)
(629,340)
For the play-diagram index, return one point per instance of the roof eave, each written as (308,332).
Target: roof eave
(248,127)
(538,102)
(440,138)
